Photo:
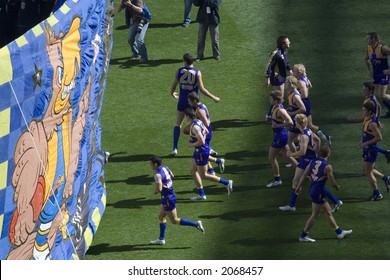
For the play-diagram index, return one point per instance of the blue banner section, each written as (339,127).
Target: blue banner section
(52,80)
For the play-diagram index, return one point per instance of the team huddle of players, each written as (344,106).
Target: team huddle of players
(306,146)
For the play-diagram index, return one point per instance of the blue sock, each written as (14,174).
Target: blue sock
(338,230)
(376,192)
(185,222)
(331,196)
(176,135)
(201,192)
(276,178)
(385,178)
(380,150)
(223,181)
(303,234)
(218,161)
(293,198)
(163,228)
(210,170)
(387,104)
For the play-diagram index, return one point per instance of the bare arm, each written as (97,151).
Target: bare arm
(300,105)
(303,142)
(367,64)
(377,136)
(329,172)
(173,87)
(204,90)
(285,116)
(199,136)
(298,187)
(159,185)
(201,114)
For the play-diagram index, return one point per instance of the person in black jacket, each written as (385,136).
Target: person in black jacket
(208,19)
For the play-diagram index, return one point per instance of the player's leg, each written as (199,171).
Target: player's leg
(176,131)
(198,182)
(272,157)
(183,221)
(163,227)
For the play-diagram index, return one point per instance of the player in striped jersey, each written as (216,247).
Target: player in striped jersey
(201,155)
(377,66)
(189,79)
(280,120)
(303,86)
(202,113)
(370,137)
(163,178)
(369,97)
(319,171)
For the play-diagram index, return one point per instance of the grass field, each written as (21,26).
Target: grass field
(138,117)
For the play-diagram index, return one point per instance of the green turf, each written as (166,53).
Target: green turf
(138,117)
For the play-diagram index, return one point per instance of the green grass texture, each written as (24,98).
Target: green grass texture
(138,117)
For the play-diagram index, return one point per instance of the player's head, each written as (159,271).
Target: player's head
(283,42)
(324,151)
(190,113)
(368,109)
(276,96)
(301,120)
(155,162)
(368,88)
(299,70)
(193,98)
(291,83)
(188,59)
(372,37)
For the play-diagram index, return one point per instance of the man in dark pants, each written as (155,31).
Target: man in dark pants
(208,19)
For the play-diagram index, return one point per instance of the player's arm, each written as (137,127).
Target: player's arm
(159,185)
(298,187)
(303,89)
(301,107)
(329,172)
(385,50)
(199,136)
(367,64)
(375,132)
(303,142)
(201,115)
(287,121)
(174,85)
(317,142)
(204,90)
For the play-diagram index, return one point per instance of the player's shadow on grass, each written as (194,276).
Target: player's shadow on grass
(222,124)
(106,248)
(239,215)
(144,180)
(135,203)
(245,154)
(125,62)
(122,157)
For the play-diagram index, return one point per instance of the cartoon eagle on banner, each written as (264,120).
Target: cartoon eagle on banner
(52,80)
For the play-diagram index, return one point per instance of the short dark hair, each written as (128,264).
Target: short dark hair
(370,107)
(193,96)
(188,58)
(280,40)
(156,160)
(189,112)
(370,86)
(324,151)
(373,35)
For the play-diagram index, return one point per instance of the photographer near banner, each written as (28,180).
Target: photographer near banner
(140,17)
